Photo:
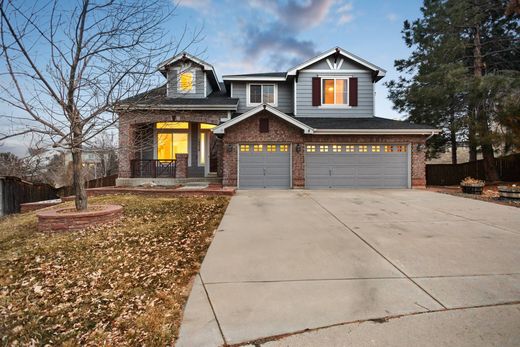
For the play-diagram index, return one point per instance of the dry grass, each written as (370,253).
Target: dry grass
(123,284)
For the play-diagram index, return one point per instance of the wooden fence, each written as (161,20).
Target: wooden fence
(15,191)
(449,174)
(106,181)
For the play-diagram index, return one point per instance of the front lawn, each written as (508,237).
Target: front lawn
(123,284)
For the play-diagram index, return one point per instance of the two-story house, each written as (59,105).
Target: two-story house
(312,126)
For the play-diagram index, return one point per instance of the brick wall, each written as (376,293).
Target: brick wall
(280,131)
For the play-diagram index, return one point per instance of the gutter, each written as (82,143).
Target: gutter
(376,132)
(180,107)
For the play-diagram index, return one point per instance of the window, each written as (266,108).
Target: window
(335,91)
(388,149)
(363,148)
(284,148)
(171,144)
(311,148)
(376,149)
(401,148)
(258,148)
(186,81)
(336,148)
(324,148)
(349,148)
(271,148)
(204,126)
(172,125)
(262,94)
(244,148)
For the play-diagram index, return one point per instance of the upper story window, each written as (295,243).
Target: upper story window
(185,83)
(335,91)
(261,94)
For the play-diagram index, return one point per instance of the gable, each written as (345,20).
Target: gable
(341,63)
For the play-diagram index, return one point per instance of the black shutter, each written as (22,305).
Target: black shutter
(352,94)
(316,91)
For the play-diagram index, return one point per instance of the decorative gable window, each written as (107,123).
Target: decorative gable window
(261,94)
(185,81)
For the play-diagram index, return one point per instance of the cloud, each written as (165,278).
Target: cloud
(195,4)
(392,17)
(345,15)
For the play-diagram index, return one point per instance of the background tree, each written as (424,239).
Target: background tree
(476,41)
(68,63)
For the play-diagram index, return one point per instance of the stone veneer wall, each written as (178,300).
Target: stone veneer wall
(129,120)
(283,132)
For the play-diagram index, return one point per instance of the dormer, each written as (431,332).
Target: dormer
(189,77)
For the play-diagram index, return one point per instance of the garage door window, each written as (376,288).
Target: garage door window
(284,148)
(401,148)
(271,148)
(244,148)
(336,148)
(389,149)
(376,149)
(311,148)
(349,148)
(363,149)
(324,148)
(258,148)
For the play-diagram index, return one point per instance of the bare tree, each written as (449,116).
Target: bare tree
(70,63)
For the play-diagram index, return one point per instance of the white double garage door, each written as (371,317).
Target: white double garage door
(327,166)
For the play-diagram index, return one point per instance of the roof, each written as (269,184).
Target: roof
(379,72)
(264,76)
(205,65)
(336,125)
(156,99)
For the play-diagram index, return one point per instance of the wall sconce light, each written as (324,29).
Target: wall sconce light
(229,148)
(298,148)
(420,147)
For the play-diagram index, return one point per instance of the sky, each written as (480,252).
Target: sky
(246,36)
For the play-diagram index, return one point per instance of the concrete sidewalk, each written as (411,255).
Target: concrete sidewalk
(285,261)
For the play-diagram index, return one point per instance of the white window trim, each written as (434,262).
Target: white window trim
(275,91)
(335,106)
(193,81)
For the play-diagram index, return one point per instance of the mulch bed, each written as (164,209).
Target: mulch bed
(123,284)
(489,194)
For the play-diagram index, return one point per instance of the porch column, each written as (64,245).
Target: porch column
(181,166)
(126,151)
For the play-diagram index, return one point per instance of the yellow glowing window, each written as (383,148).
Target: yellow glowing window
(376,148)
(186,81)
(258,148)
(401,148)
(336,148)
(311,148)
(172,125)
(349,148)
(388,149)
(284,148)
(244,148)
(363,148)
(271,148)
(335,91)
(171,144)
(324,148)
(202,149)
(207,126)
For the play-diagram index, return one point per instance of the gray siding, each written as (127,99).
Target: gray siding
(304,106)
(285,95)
(199,83)
(209,88)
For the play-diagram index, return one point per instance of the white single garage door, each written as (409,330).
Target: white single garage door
(264,166)
(356,166)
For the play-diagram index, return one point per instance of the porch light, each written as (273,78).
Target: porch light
(229,148)
(298,148)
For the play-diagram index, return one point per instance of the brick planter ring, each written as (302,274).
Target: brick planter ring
(56,220)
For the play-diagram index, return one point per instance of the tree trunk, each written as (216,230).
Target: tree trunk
(77,180)
(453,140)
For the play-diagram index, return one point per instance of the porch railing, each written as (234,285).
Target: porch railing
(153,168)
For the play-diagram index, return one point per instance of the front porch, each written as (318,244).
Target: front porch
(176,148)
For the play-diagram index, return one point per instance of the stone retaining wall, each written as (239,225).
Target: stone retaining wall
(53,220)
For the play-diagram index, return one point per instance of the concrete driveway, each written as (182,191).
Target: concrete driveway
(340,263)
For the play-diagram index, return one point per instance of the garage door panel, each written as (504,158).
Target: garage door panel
(362,167)
(268,167)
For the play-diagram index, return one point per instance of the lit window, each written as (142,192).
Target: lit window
(284,148)
(376,148)
(336,148)
(363,148)
(258,148)
(324,148)
(172,125)
(202,149)
(186,81)
(171,144)
(244,148)
(311,148)
(271,148)
(206,126)
(388,149)
(349,148)
(335,91)
(262,93)
(401,148)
